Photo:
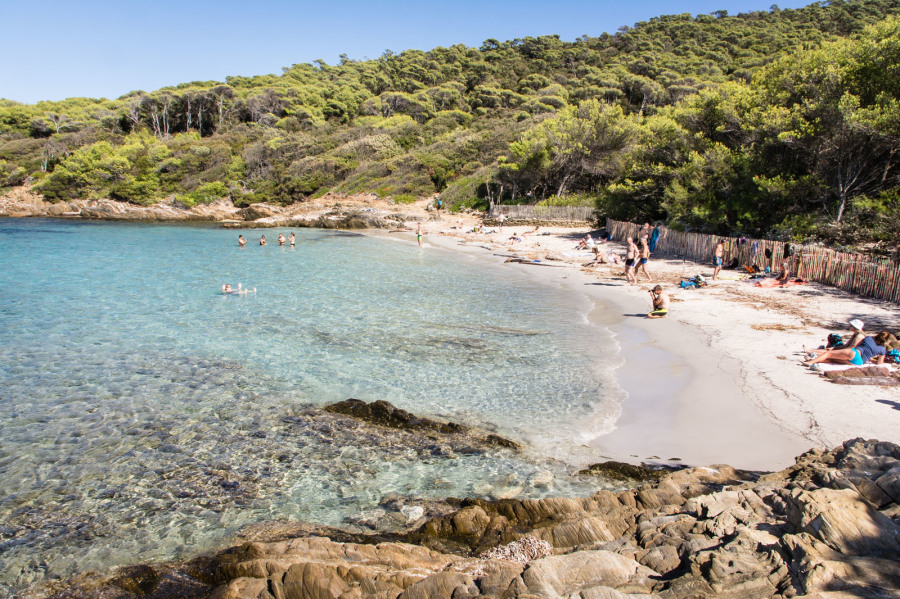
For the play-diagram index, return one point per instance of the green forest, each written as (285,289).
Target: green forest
(778,123)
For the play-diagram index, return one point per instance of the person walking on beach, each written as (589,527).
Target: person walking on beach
(419,234)
(660,303)
(241,241)
(645,257)
(500,220)
(719,257)
(630,257)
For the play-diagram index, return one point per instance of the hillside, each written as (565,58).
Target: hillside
(695,120)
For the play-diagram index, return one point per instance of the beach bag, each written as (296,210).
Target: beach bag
(833,339)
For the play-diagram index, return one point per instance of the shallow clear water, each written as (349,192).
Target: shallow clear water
(144,415)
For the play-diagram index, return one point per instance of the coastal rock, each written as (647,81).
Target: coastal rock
(623,471)
(842,520)
(258,211)
(816,529)
(564,575)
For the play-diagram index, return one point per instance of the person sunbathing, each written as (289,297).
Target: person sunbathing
(854,340)
(785,273)
(870,348)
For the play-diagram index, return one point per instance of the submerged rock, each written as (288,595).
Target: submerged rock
(383,413)
(623,471)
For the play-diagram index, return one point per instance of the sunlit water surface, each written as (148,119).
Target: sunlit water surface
(146,416)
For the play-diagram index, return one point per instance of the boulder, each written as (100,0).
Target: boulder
(258,211)
(564,575)
(890,483)
(842,520)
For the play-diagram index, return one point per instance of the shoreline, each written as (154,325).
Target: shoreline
(662,418)
(734,391)
(731,351)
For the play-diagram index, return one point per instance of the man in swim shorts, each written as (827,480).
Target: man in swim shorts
(419,234)
(630,256)
(719,257)
(241,241)
(660,303)
(642,262)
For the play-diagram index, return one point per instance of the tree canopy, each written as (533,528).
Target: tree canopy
(779,121)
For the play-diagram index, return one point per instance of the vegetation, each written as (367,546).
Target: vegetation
(778,122)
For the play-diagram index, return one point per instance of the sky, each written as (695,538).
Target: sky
(57,49)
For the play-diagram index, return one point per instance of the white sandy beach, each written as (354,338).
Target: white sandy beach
(719,380)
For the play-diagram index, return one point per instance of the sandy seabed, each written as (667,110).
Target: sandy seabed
(719,380)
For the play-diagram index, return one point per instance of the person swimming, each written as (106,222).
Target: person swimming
(228,289)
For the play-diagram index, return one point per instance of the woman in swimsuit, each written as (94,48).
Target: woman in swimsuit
(871,347)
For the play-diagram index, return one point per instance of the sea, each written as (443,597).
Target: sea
(146,416)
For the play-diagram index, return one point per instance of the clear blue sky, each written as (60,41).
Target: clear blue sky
(55,49)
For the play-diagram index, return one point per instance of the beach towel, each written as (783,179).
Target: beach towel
(654,239)
(774,283)
(823,367)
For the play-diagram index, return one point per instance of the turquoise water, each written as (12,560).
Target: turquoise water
(145,416)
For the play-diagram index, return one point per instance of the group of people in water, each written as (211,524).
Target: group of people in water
(242,241)
(227,289)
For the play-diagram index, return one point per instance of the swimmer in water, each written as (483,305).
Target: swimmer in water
(292,240)
(227,289)
(280,239)
(262,240)
(241,241)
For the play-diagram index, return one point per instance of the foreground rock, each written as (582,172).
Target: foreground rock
(826,528)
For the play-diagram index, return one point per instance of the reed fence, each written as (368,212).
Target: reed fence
(878,278)
(547,213)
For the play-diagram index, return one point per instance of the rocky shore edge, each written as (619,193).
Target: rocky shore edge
(329,212)
(827,527)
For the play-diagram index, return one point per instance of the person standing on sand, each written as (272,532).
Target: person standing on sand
(241,241)
(719,257)
(644,234)
(500,220)
(645,257)
(630,256)
(660,303)
(419,234)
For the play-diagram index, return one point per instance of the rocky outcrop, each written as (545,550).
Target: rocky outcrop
(826,528)
(346,213)
(21,202)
